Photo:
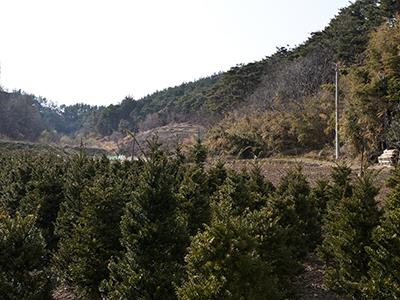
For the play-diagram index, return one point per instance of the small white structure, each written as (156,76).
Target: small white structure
(389,157)
(119,157)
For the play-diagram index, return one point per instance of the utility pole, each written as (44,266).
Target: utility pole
(337,111)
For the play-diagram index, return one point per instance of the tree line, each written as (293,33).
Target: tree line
(285,88)
(28,117)
(369,104)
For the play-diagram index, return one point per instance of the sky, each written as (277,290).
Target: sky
(100,51)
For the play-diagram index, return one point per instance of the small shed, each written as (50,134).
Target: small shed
(389,157)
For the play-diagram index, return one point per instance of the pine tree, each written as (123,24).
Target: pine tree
(18,173)
(216,176)
(235,187)
(259,187)
(390,8)
(327,195)
(292,203)
(347,231)
(154,237)
(95,236)
(320,197)
(79,174)
(341,186)
(273,240)
(384,253)
(224,263)
(22,252)
(198,152)
(249,190)
(45,196)
(194,198)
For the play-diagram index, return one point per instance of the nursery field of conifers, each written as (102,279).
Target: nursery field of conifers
(171,226)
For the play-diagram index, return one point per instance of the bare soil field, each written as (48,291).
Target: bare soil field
(314,170)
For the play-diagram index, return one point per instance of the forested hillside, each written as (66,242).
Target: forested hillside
(27,117)
(281,103)
(176,221)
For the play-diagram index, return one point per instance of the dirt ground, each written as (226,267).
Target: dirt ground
(314,170)
(309,284)
(63,293)
(275,168)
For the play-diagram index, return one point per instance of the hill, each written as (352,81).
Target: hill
(289,91)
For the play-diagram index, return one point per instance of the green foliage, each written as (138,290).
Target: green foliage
(216,176)
(384,252)
(180,103)
(260,189)
(22,252)
(20,117)
(275,246)
(32,184)
(248,190)
(95,238)
(234,87)
(79,174)
(341,185)
(125,230)
(373,92)
(194,196)
(390,8)
(319,198)
(347,232)
(260,233)
(17,173)
(244,253)
(236,189)
(242,199)
(325,196)
(45,196)
(292,204)
(154,236)
(198,152)
(352,27)
(223,261)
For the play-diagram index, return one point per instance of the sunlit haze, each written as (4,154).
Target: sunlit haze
(98,52)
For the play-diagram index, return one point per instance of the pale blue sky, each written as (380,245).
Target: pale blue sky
(99,51)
